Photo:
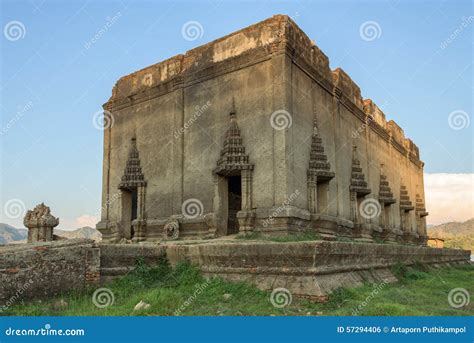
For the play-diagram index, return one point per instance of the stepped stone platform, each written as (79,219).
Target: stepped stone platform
(307,269)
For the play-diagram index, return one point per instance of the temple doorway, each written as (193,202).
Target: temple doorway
(234,191)
(129,211)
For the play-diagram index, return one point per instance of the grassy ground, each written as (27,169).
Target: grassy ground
(184,291)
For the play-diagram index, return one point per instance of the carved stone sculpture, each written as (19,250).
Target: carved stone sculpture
(40,224)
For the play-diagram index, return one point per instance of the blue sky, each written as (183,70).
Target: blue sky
(54,78)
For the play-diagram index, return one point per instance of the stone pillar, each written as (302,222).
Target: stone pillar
(140,222)
(119,230)
(383,220)
(312,193)
(354,209)
(220,204)
(406,226)
(246,217)
(246,190)
(40,224)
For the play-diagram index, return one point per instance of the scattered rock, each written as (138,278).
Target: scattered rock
(319,313)
(141,306)
(227,296)
(308,313)
(60,304)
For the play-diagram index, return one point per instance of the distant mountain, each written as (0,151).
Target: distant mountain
(455,235)
(12,235)
(83,232)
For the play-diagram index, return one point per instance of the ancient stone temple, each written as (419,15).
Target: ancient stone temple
(254,132)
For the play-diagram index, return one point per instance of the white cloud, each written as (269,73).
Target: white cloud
(78,222)
(449,197)
(86,220)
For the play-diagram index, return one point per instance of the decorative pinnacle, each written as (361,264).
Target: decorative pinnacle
(315,127)
(232,111)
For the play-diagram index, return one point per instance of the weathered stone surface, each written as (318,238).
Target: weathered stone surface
(307,269)
(174,115)
(47,268)
(40,224)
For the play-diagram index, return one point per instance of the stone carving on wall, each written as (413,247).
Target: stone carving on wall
(406,207)
(319,170)
(420,212)
(358,190)
(233,157)
(385,192)
(132,176)
(234,161)
(171,230)
(386,199)
(358,184)
(133,180)
(40,223)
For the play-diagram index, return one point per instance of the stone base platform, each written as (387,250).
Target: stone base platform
(307,269)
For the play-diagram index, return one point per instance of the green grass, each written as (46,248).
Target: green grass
(421,291)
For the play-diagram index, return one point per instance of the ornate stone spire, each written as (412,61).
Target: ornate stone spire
(133,176)
(318,161)
(420,206)
(233,157)
(405,202)
(358,183)
(385,192)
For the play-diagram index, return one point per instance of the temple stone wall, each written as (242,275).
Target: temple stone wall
(47,268)
(307,269)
